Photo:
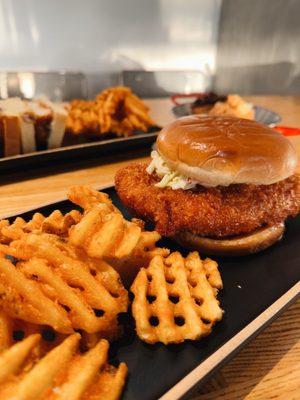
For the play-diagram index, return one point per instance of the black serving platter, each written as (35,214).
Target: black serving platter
(256,289)
(83,150)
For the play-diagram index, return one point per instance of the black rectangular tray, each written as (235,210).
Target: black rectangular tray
(257,289)
(99,148)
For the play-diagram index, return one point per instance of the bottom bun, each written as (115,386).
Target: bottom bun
(237,246)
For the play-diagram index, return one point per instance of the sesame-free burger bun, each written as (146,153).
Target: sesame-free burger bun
(218,150)
(252,243)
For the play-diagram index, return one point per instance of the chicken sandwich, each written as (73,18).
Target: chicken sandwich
(217,184)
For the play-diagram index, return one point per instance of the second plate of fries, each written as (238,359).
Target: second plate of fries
(80,276)
(41,131)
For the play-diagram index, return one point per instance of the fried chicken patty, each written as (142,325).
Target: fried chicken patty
(213,212)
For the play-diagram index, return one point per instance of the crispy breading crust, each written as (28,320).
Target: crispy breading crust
(214,212)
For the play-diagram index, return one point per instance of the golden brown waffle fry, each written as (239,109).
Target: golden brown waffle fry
(59,286)
(175,299)
(104,233)
(87,198)
(140,257)
(60,224)
(116,110)
(55,223)
(22,298)
(82,117)
(6,328)
(14,330)
(63,373)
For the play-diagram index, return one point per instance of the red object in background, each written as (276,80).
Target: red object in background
(287,131)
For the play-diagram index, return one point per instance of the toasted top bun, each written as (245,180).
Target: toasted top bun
(215,150)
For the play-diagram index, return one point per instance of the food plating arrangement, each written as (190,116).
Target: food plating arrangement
(149,200)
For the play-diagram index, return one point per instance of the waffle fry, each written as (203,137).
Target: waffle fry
(6,329)
(59,224)
(63,373)
(115,110)
(104,233)
(55,223)
(175,299)
(87,198)
(13,330)
(59,286)
(140,257)
(120,105)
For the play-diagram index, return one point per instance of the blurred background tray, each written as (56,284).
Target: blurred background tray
(95,149)
(262,115)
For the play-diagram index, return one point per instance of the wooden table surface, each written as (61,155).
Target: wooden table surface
(269,367)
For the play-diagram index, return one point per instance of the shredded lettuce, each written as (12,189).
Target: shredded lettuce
(168,177)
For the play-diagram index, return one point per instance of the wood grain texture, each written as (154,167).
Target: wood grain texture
(269,368)
(21,191)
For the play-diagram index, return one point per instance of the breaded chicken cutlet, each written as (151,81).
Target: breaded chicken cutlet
(214,212)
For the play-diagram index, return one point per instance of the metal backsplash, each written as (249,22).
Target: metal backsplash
(58,86)
(257,50)
(103,37)
(259,47)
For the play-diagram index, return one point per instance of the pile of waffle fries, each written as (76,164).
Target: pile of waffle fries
(115,110)
(67,273)
(63,373)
